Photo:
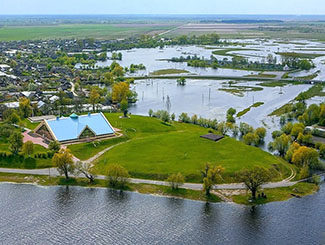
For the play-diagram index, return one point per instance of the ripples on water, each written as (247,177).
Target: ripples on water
(73,215)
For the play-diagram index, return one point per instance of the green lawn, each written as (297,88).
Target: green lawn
(84,151)
(156,150)
(29,124)
(68,31)
(168,71)
(279,194)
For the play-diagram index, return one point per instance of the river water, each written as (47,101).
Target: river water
(74,215)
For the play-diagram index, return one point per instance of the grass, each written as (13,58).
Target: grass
(282,110)
(225,52)
(279,194)
(28,124)
(262,75)
(243,112)
(240,90)
(300,55)
(168,71)
(273,84)
(140,188)
(155,151)
(69,31)
(84,151)
(308,77)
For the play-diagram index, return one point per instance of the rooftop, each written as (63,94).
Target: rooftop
(70,128)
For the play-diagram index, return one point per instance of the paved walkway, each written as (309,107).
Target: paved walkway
(35,140)
(234,186)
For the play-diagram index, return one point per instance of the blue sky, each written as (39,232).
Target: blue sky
(297,7)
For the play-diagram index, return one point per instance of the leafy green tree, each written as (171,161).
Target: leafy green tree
(13,118)
(254,179)
(261,133)
(251,139)
(165,117)
(15,142)
(281,144)
(117,176)
(230,115)
(28,148)
(176,180)
(63,160)
(25,107)
(211,176)
(94,97)
(124,105)
(244,129)
(305,156)
(297,128)
(85,168)
(287,128)
(54,146)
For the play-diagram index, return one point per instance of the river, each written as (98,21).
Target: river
(73,215)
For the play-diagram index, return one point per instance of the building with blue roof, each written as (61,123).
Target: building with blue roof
(76,128)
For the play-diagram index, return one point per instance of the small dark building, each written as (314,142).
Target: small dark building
(212,137)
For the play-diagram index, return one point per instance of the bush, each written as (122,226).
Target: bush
(117,176)
(176,180)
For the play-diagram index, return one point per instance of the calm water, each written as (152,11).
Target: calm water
(62,215)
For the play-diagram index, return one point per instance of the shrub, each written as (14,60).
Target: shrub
(176,180)
(117,176)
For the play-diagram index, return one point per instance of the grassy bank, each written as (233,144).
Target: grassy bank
(300,55)
(279,194)
(243,112)
(168,71)
(140,188)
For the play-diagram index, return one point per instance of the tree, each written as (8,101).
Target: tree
(261,133)
(287,128)
(165,117)
(293,147)
(63,160)
(281,144)
(54,146)
(251,139)
(211,176)
(15,142)
(94,96)
(297,128)
(13,117)
(181,81)
(176,180)
(305,156)
(86,169)
(25,107)
(124,107)
(150,112)
(117,176)
(244,128)
(254,178)
(230,115)
(28,148)
(121,91)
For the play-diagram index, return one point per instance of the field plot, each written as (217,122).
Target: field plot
(67,31)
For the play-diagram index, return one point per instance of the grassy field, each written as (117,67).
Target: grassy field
(225,52)
(300,55)
(26,123)
(279,194)
(68,31)
(156,150)
(240,90)
(168,71)
(86,150)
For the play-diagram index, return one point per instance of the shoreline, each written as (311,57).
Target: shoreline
(275,194)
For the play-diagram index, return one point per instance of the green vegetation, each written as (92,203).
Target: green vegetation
(156,150)
(84,151)
(70,31)
(27,124)
(273,84)
(239,90)
(308,77)
(168,71)
(278,194)
(262,75)
(243,112)
(140,188)
(300,55)
(225,52)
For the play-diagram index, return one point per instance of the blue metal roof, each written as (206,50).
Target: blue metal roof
(69,128)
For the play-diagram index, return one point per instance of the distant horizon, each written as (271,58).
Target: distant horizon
(165,7)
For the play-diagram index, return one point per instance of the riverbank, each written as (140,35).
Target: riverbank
(237,196)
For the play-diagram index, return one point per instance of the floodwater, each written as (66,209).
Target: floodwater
(72,215)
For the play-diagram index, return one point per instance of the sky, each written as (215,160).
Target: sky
(269,7)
